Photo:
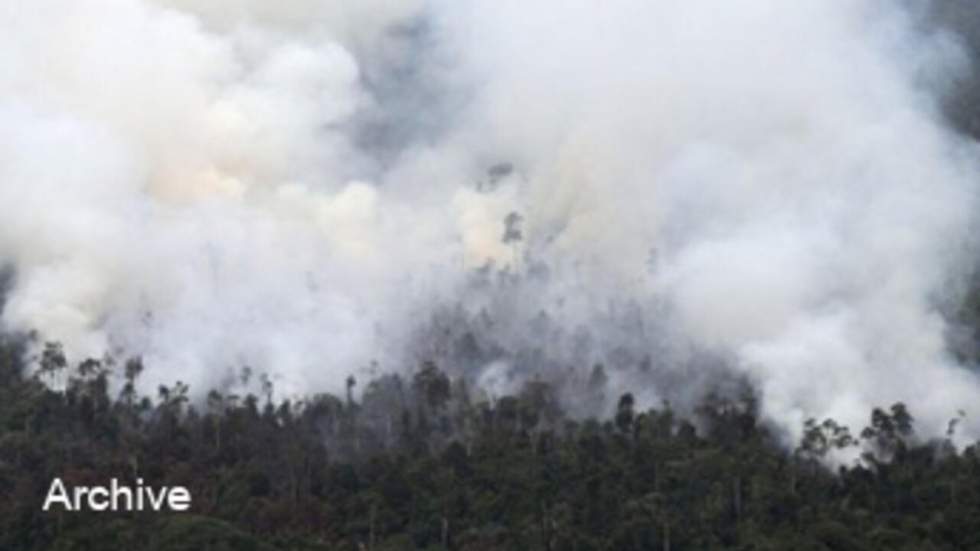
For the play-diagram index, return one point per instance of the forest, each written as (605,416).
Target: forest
(444,471)
(398,275)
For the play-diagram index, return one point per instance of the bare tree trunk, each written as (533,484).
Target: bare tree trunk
(545,527)
(371,536)
(737,497)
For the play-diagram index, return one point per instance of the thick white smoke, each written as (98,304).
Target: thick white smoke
(292,185)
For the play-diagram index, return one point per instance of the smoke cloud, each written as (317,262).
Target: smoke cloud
(687,193)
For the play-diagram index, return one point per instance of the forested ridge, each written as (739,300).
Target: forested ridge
(573,273)
(447,471)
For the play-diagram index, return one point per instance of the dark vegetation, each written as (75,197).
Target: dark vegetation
(445,471)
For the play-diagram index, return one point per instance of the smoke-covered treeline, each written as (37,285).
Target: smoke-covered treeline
(418,463)
(693,195)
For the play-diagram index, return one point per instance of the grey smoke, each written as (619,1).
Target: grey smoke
(757,190)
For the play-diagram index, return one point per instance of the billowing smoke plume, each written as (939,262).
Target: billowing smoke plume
(686,192)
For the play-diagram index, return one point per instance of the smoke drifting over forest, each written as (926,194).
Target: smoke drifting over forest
(688,193)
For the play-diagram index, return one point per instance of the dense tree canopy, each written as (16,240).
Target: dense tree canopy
(420,464)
